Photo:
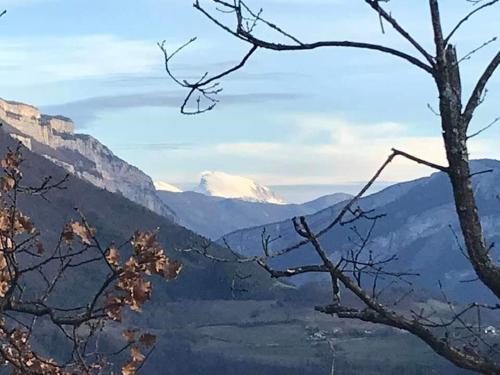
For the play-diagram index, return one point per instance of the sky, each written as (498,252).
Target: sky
(321,118)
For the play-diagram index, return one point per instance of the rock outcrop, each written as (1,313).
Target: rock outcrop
(54,137)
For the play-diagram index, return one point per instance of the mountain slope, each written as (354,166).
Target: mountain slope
(201,281)
(224,185)
(213,217)
(82,155)
(417,228)
(115,219)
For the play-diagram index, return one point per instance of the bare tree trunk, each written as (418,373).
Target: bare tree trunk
(455,138)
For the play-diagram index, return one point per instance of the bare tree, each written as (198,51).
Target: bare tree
(32,278)
(442,65)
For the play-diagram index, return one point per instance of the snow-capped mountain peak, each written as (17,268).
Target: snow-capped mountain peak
(165,186)
(220,184)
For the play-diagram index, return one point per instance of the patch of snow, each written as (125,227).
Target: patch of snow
(220,184)
(165,186)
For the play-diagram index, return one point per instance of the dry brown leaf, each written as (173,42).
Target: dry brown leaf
(10,160)
(39,247)
(82,232)
(129,369)
(113,256)
(140,293)
(5,243)
(4,286)
(7,183)
(114,308)
(4,220)
(136,354)
(25,224)
(147,339)
(172,269)
(67,234)
(3,261)
(129,335)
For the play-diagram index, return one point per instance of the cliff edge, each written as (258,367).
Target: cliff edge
(54,138)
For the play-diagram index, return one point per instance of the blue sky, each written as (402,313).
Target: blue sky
(322,117)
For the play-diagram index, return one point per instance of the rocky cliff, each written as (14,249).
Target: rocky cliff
(54,137)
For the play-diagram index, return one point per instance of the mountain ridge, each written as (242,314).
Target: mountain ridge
(82,155)
(214,217)
(418,227)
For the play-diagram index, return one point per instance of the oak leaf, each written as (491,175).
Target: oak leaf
(25,224)
(172,269)
(113,256)
(7,183)
(39,247)
(136,354)
(3,261)
(11,160)
(130,368)
(129,335)
(82,232)
(147,339)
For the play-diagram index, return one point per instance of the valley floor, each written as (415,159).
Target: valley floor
(268,337)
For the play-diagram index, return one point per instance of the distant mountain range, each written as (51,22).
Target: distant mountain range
(213,217)
(223,203)
(420,228)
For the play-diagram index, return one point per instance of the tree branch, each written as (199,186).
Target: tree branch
(378,313)
(475,98)
(376,6)
(421,161)
(437,29)
(466,18)
(249,38)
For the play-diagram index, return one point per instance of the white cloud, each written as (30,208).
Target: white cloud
(340,131)
(45,59)
(350,153)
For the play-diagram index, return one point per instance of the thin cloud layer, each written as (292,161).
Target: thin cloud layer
(347,152)
(58,58)
(88,110)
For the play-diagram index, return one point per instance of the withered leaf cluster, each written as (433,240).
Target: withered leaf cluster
(23,254)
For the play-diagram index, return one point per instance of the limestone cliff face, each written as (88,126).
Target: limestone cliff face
(54,137)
